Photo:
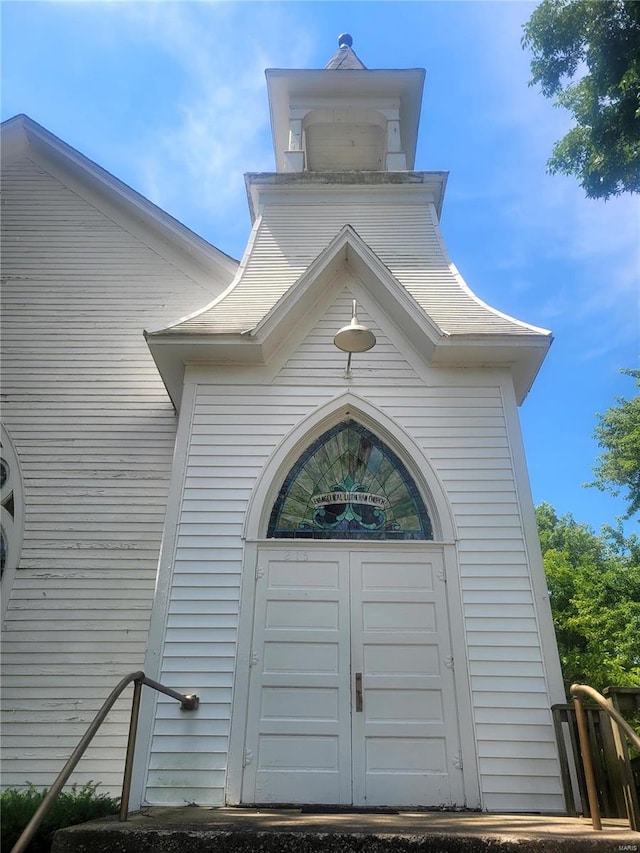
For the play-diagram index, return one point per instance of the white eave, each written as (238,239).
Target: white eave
(285,85)
(173,354)
(258,184)
(521,354)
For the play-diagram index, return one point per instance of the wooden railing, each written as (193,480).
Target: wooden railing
(598,736)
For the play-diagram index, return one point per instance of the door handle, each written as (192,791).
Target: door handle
(358,691)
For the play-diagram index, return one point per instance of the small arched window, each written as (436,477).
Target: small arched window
(11,508)
(349,485)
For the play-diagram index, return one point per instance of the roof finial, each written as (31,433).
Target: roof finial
(344,58)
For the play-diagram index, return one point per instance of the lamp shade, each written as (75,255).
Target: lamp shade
(355,337)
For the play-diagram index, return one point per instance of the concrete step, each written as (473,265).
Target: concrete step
(290,830)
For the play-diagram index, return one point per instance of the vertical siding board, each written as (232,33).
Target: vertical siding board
(94,431)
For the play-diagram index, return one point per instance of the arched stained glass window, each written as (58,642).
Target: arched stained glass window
(349,485)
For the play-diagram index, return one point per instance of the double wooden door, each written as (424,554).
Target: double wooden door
(351,693)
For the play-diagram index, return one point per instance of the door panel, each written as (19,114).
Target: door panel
(400,640)
(298,735)
(321,617)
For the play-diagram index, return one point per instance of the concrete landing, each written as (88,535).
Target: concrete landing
(205,830)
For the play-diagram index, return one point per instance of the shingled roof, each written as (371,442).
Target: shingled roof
(345,59)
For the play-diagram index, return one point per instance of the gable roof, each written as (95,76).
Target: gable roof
(177,346)
(23,137)
(298,215)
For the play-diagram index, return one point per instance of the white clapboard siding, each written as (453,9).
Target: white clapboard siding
(508,681)
(318,359)
(94,431)
(234,430)
(463,433)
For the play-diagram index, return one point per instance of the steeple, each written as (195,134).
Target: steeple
(345,117)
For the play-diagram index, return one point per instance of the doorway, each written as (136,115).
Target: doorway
(351,691)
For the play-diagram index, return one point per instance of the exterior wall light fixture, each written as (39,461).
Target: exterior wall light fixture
(354,338)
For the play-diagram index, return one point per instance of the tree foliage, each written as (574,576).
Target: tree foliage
(586,54)
(618,433)
(594,589)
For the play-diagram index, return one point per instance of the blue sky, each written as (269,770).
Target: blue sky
(171,98)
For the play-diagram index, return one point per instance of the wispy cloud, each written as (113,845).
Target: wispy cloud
(221,128)
(193,155)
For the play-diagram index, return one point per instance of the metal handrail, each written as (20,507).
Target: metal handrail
(592,793)
(187,702)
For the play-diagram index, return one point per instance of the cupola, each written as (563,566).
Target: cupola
(345,117)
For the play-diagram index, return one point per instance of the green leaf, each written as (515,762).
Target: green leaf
(586,55)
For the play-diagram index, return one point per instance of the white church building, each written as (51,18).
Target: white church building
(293,485)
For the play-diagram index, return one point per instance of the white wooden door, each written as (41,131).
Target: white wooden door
(405,740)
(298,742)
(351,694)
